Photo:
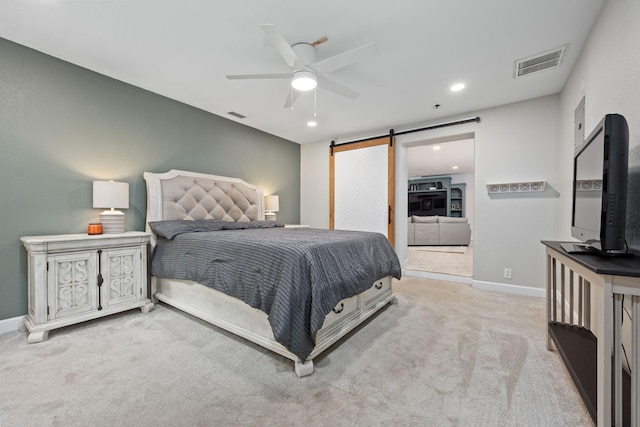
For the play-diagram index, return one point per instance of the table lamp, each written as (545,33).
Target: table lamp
(112,195)
(271,206)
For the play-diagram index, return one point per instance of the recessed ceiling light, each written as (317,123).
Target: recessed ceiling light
(312,123)
(454,167)
(436,147)
(457,87)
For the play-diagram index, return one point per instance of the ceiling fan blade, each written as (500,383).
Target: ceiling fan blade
(291,98)
(280,44)
(335,87)
(345,58)
(319,41)
(259,76)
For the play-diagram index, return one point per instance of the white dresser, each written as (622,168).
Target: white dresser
(73,278)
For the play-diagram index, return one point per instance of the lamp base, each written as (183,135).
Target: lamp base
(270,216)
(112,222)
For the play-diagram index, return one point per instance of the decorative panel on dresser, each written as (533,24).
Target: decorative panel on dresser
(77,277)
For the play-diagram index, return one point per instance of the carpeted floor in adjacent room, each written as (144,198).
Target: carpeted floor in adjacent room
(445,355)
(452,260)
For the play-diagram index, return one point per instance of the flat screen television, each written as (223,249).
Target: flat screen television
(600,168)
(428,203)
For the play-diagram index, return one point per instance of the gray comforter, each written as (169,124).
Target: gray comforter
(295,275)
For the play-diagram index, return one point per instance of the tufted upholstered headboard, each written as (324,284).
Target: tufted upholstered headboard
(188,195)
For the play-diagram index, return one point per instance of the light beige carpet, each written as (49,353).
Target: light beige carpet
(446,249)
(429,258)
(445,355)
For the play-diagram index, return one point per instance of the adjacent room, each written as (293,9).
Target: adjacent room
(300,213)
(441,186)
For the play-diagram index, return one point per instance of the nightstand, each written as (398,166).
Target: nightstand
(73,278)
(296,226)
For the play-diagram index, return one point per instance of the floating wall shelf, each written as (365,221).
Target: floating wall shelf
(589,185)
(516,187)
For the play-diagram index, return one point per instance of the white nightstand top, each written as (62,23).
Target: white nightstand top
(83,241)
(295,226)
(83,236)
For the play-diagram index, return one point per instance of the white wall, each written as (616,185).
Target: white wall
(514,143)
(607,74)
(314,185)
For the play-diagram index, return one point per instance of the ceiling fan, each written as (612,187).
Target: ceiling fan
(307,73)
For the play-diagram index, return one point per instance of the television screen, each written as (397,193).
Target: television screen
(600,189)
(426,203)
(588,186)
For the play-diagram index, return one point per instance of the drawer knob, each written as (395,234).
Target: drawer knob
(378,285)
(338,309)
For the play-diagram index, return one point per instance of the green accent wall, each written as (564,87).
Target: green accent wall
(63,126)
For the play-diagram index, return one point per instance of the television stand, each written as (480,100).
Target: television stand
(584,322)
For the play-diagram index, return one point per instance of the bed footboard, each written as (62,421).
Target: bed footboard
(240,319)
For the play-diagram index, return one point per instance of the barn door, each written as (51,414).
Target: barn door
(362,183)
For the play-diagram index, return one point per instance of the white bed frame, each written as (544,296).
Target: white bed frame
(164,201)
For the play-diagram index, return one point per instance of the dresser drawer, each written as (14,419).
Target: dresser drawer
(342,310)
(379,289)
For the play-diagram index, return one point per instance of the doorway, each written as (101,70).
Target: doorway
(446,165)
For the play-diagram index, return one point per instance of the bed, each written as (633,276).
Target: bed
(293,290)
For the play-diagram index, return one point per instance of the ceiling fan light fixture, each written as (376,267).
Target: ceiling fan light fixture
(304,80)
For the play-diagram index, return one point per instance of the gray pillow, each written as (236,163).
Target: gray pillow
(171,228)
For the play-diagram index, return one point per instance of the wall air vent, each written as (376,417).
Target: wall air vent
(542,61)
(234,114)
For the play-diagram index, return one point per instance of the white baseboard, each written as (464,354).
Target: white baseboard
(510,289)
(486,286)
(437,276)
(10,325)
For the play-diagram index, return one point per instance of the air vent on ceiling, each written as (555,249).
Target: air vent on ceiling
(234,114)
(542,61)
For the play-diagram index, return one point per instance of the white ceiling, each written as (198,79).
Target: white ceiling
(440,158)
(183,49)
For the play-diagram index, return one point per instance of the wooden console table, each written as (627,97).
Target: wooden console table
(585,295)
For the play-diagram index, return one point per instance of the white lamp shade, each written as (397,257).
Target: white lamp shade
(304,80)
(110,194)
(271,203)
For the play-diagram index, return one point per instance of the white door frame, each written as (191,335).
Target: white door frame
(403,142)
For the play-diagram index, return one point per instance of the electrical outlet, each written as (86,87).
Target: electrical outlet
(507,273)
